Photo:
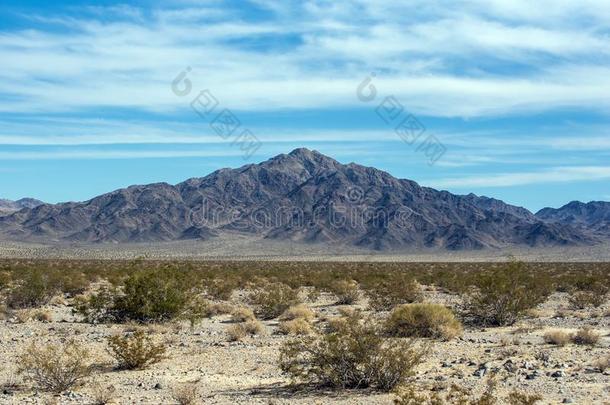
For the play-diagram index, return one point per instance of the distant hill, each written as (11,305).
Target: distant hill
(592,217)
(306,197)
(7,206)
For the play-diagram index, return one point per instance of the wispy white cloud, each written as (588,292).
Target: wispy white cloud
(552,175)
(130,61)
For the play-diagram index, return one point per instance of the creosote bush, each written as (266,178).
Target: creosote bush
(273,299)
(355,355)
(55,368)
(135,351)
(346,291)
(502,295)
(423,320)
(387,293)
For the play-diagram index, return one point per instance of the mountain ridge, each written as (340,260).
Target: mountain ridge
(306,197)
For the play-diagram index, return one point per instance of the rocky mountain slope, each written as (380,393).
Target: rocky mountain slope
(302,196)
(589,217)
(8,206)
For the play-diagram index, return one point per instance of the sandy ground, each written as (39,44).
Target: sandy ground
(247,372)
(239,247)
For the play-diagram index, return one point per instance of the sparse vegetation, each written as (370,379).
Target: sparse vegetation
(186,394)
(346,291)
(136,350)
(387,293)
(353,356)
(55,368)
(242,314)
(423,320)
(272,300)
(239,331)
(502,295)
(300,311)
(298,326)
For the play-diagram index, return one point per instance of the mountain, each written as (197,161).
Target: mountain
(302,196)
(7,206)
(592,217)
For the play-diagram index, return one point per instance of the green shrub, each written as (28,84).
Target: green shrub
(423,320)
(503,294)
(272,300)
(353,355)
(388,293)
(135,350)
(32,290)
(55,368)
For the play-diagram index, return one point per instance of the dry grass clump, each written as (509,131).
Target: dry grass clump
(298,326)
(585,336)
(557,337)
(273,299)
(354,356)
(242,314)
(300,311)
(602,364)
(42,316)
(522,398)
(587,299)
(186,394)
(423,320)
(135,351)
(55,368)
(346,291)
(102,394)
(240,331)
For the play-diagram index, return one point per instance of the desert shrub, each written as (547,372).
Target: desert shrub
(300,311)
(298,326)
(55,368)
(503,294)
(153,295)
(242,314)
(97,307)
(586,299)
(185,394)
(5,280)
(271,301)
(42,316)
(346,291)
(221,288)
(239,331)
(521,398)
(585,336)
(388,293)
(354,356)
(602,364)
(102,394)
(32,290)
(557,337)
(423,320)
(135,351)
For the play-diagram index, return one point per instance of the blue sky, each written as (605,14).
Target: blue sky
(517,92)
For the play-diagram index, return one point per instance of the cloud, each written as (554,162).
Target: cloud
(464,58)
(552,175)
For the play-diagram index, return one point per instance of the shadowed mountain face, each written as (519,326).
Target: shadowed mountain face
(591,217)
(303,196)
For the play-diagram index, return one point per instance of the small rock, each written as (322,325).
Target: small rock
(557,374)
(157,386)
(567,401)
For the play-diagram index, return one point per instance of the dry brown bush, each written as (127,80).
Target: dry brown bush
(557,337)
(242,314)
(298,326)
(240,331)
(186,394)
(585,336)
(423,320)
(135,351)
(301,311)
(346,291)
(55,368)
